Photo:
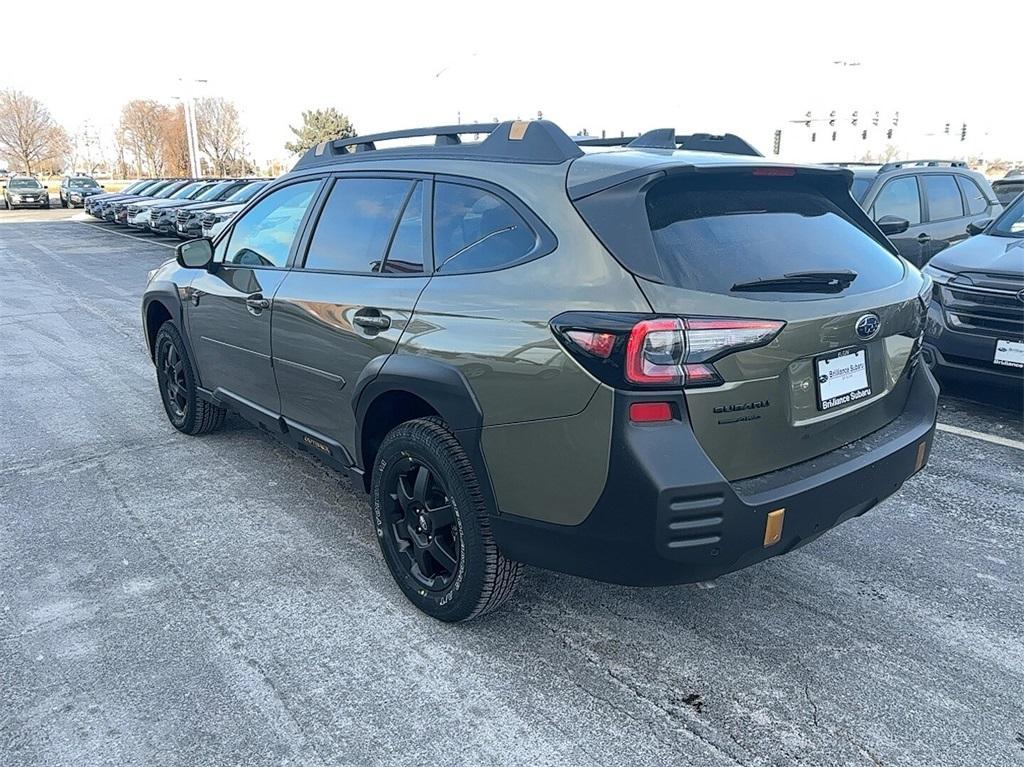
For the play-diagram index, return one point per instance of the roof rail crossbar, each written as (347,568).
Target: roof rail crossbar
(896,164)
(666,138)
(537,141)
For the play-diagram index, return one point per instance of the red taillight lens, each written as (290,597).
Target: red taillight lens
(650,412)
(773,171)
(598,344)
(655,352)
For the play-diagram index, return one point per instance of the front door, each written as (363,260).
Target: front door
(348,303)
(230,307)
(901,197)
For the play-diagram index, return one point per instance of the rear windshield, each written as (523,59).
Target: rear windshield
(860,188)
(710,234)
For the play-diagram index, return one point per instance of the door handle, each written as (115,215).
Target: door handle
(256,304)
(924,237)
(373,321)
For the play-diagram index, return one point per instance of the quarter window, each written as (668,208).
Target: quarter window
(356,224)
(943,197)
(899,198)
(475,230)
(976,201)
(405,256)
(265,234)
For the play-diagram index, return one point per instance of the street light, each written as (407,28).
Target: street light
(191,133)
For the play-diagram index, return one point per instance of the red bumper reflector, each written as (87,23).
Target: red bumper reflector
(650,412)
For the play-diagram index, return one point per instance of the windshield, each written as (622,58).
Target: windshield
(710,234)
(168,190)
(1011,223)
(82,183)
(25,183)
(187,190)
(860,188)
(214,191)
(247,192)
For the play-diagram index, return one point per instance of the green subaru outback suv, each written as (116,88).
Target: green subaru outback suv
(648,361)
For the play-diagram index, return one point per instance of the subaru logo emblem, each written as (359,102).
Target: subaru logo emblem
(1020,295)
(867,326)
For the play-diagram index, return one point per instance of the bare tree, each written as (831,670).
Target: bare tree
(175,150)
(142,128)
(219,133)
(29,136)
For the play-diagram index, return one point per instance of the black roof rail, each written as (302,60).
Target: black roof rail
(592,141)
(666,138)
(896,164)
(852,164)
(537,141)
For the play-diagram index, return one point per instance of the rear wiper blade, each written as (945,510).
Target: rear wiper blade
(807,282)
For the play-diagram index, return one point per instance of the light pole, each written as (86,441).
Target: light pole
(191,133)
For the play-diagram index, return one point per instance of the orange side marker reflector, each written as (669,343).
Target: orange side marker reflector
(518,130)
(773,527)
(921,450)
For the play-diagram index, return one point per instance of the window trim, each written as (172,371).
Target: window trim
(300,233)
(927,206)
(299,262)
(920,197)
(546,242)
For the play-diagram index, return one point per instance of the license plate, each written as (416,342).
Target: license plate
(1009,353)
(842,378)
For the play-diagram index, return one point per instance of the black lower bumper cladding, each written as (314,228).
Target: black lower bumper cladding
(647,529)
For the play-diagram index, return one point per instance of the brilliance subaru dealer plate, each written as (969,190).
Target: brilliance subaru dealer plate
(1009,353)
(842,378)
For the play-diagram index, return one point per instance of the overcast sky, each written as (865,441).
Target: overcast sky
(748,68)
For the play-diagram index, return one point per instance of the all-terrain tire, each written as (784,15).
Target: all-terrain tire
(483,578)
(176,378)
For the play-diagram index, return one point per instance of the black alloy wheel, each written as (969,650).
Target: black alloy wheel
(421,527)
(173,385)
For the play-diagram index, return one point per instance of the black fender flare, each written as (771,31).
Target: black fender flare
(167,294)
(442,386)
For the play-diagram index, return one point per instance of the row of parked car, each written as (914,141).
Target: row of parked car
(182,207)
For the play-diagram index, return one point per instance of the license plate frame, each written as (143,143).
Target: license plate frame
(827,396)
(1006,351)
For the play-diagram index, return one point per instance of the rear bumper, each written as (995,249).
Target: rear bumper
(653,526)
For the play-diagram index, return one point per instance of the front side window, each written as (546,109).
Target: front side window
(943,197)
(265,234)
(475,230)
(899,198)
(356,224)
(1011,223)
(976,200)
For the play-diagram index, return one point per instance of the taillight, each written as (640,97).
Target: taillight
(636,351)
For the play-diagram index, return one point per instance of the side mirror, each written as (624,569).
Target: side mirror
(977,227)
(195,254)
(891,225)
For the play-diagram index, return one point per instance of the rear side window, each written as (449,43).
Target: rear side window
(899,198)
(475,230)
(711,234)
(943,197)
(356,224)
(975,198)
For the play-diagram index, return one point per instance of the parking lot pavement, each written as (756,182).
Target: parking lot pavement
(221,600)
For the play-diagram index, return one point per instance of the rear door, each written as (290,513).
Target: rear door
(901,197)
(944,210)
(229,306)
(838,369)
(348,300)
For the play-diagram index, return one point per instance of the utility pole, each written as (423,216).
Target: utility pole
(191,133)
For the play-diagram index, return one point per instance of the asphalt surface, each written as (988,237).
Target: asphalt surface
(167,600)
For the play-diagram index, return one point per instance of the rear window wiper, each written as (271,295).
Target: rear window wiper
(801,282)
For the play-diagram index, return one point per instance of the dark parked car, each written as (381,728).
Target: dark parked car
(117,211)
(140,212)
(936,198)
(25,192)
(976,320)
(167,221)
(97,204)
(645,365)
(75,189)
(1007,188)
(187,222)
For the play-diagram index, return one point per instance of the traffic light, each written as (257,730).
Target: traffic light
(778,142)
(947,129)
(864,135)
(895,119)
(807,122)
(963,132)
(833,135)
(814,137)
(832,119)
(888,133)
(854,120)
(874,120)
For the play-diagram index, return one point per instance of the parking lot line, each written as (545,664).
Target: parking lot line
(122,234)
(1004,441)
